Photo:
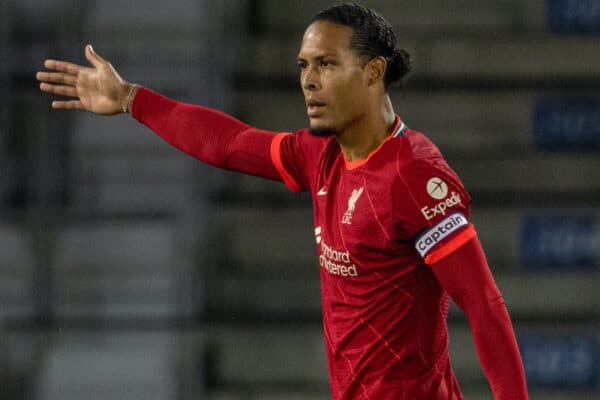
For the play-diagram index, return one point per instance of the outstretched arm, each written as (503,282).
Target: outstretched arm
(466,276)
(209,135)
(206,134)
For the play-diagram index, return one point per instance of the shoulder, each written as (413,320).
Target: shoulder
(303,143)
(298,155)
(417,156)
(414,149)
(424,179)
(305,135)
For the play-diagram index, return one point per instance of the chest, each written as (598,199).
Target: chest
(353,214)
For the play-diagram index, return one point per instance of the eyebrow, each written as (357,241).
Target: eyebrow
(316,58)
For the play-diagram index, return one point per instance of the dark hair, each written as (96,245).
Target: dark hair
(372,37)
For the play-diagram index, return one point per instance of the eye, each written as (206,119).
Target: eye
(326,63)
(301,64)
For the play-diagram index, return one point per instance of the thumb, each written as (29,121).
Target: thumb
(93,57)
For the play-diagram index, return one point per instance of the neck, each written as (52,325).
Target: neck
(367,133)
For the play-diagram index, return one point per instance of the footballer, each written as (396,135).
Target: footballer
(391,218)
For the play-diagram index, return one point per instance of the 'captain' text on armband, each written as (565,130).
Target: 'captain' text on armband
(439,232)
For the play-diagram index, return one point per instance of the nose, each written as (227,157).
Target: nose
(309,79)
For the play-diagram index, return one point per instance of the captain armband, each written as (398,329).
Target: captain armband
(445,237)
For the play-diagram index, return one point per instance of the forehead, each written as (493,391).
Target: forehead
(323,37)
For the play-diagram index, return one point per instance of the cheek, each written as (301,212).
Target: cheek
(345,93)
(352,96)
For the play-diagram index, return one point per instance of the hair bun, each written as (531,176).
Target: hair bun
(400,63)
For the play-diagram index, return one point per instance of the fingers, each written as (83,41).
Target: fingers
(67,104)
(62,90)
(56,77)
(71,68)
(93,57)
(74,69)
(63,66)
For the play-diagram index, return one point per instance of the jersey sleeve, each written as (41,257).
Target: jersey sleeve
(207,134)
(466,276)
(220,140)
(295,156)
(432,208)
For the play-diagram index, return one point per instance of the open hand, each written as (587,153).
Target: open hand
(98,88)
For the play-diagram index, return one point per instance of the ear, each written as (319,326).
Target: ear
(375,69)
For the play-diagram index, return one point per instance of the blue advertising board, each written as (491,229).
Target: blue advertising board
(560,362)
(574,16)
(554,241)
(566,123)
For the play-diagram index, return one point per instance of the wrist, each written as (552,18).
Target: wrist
(126,103)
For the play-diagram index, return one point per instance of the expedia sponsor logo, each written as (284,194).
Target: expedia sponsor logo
(441,207)
(437,188)
(336,262)
(439,232)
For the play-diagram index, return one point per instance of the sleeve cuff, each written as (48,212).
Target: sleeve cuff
(288,179)
(451,246)
(139,93)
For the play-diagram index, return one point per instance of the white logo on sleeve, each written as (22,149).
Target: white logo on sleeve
(318,234)
(346,219)
(322,191)
(437,188)
(439,232)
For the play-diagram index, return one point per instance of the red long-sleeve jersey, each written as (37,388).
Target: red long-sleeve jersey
(393,239)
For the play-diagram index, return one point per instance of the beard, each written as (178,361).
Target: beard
(323,131)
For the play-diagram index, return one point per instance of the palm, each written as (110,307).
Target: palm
(98,88)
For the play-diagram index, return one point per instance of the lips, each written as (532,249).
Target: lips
(314,107)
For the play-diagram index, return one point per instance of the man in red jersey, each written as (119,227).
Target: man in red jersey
(390,216)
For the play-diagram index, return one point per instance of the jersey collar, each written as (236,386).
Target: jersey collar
(398,131)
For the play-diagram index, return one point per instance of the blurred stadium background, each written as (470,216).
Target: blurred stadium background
(128,270)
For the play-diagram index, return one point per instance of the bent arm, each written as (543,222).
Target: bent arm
(206,134)
(466,276)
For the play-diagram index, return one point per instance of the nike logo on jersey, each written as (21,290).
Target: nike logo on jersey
(322,191)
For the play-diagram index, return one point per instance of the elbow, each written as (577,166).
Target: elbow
(484,304)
